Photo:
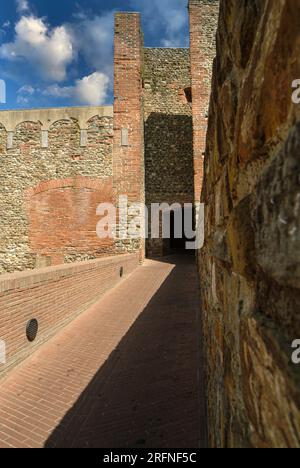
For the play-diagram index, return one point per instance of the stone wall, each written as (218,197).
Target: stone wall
(79,170)
(168,131)
(251,260)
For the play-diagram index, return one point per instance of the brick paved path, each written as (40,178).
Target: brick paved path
(124,374)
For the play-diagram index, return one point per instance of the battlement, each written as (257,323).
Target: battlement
(46,117)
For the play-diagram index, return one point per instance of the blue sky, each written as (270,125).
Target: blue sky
(60,52)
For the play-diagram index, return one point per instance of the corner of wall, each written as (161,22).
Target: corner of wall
(128,153)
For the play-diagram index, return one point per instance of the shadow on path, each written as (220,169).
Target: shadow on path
(149,393)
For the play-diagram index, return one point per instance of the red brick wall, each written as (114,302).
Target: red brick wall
(62,219)
(54,296)
(203,24)
(128,159)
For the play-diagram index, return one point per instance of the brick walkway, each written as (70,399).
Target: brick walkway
(124,374)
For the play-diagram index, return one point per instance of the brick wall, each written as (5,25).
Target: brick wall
(27,164)
(128,166)
(203,23)
(251,260)
(54,296)
(63,218)
(168,131)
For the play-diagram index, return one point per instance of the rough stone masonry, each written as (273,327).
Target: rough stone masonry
(250,264)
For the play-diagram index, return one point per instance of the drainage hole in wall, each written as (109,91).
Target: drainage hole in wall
(32,330)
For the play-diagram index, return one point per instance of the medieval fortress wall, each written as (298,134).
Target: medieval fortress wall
(53,161)
(162,142)
(249,266)
(58,165)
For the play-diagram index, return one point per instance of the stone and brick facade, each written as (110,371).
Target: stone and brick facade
(49,195)
(60,164)
(167,138)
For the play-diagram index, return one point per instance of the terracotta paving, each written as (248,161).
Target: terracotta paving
(125,374)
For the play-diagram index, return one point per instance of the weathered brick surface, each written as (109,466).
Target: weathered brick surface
(203,16)
(63,218)
(54,296)
(128,160)
(250,263)
(168,131)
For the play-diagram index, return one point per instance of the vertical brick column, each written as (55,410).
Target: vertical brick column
(128,116)
(203,24)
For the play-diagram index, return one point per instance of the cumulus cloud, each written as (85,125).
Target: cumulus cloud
(48,50)
(41,52)
(170,17)
(93,38)
(59,92)
(91,90)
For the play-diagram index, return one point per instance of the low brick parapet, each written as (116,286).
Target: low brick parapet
(53,296)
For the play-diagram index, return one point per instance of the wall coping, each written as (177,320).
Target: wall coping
(184,49)
(31,278)
(10,119)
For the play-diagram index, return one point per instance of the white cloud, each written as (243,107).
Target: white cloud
(22,6)
(25,95)
(39,50)
(93,38)
(49,51)
(91,90)
(170,16)
(23,100)
(26,89)
(57,91)
(3,29)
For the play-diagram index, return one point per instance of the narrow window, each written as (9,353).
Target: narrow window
(188,94)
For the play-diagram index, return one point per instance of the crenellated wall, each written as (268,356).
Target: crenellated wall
(42,224)
(58,165)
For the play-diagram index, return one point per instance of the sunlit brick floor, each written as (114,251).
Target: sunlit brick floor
(124,374)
